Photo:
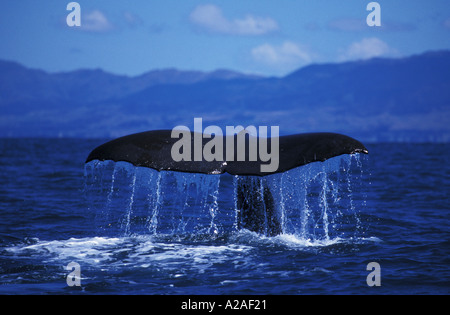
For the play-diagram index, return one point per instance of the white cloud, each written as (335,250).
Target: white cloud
(288,54)
(95,21)
(211,18)
(367,48)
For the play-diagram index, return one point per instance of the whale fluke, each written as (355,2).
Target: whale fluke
(257,209)
(153,149)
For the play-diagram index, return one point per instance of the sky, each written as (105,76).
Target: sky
(265,37)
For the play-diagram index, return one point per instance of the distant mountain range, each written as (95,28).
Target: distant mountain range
(406,99)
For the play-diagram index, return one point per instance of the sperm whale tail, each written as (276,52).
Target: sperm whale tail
(153,149)
(257,211)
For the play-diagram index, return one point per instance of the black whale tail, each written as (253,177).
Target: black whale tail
(257,211)
(255,203)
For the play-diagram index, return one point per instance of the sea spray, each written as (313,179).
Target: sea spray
(312,202)
(154,202)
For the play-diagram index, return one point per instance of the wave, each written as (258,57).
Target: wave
(240,262)
(144,251)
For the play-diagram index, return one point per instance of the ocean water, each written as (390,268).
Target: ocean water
(133,230)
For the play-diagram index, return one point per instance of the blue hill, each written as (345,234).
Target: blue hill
(404,99)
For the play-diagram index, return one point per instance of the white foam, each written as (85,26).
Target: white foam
(133,252)
(90,250)
(294,240)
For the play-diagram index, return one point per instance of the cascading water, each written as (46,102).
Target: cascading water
(313,202)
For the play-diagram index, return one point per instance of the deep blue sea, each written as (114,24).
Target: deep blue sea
(138,231)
